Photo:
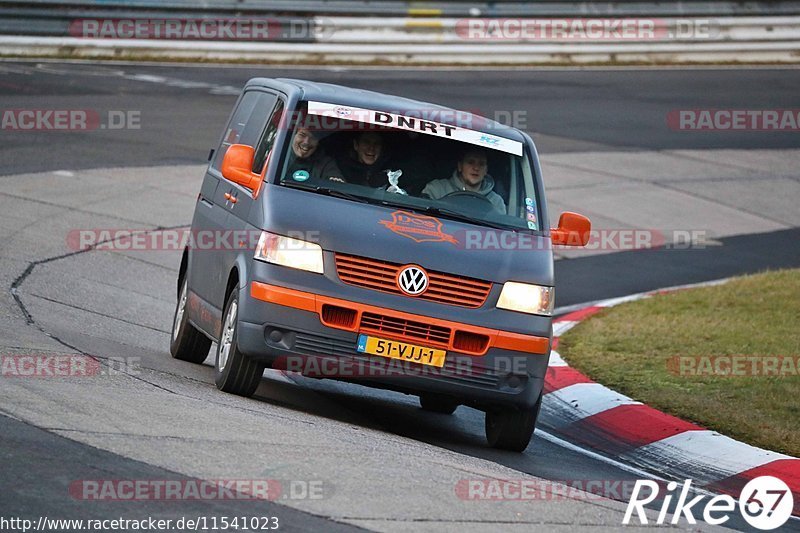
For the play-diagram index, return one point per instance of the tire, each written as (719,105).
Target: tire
(510,429)
(438,404)
(186,342)
(233,372)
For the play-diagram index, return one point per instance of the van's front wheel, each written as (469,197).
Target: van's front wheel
(233,372)
(511,430)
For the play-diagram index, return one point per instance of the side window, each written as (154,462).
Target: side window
(247,123)
(267,141)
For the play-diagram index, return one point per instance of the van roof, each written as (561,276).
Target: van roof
(339,94)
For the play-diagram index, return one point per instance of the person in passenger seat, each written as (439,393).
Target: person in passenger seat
(365,164)
(308,161)
(470,175)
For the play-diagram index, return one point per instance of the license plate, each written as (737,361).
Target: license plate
(401,350)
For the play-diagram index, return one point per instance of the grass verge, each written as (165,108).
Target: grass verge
(692,354)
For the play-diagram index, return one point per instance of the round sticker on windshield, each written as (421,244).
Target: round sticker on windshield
(531,225)
(531,217)
(529,201)
(530,209)
(300,175)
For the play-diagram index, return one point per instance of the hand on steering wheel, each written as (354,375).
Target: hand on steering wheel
(467,194)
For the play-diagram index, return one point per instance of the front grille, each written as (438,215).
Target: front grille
(442,288)
(406,329)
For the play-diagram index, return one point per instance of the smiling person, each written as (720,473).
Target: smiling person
(308,161)
(365,163)
(470,175)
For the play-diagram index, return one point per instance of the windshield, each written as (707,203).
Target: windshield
(422,165)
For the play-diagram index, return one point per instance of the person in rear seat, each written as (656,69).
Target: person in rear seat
(365,164)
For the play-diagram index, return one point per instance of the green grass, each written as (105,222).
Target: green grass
(628,349)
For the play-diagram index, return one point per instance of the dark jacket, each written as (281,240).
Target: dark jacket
(359,173)
(319,167)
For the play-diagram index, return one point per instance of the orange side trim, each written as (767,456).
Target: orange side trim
(313,302)
(283,296)
(521,343)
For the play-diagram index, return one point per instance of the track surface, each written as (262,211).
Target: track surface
(183,110)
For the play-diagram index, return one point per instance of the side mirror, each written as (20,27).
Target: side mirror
(573,230)
(237,165)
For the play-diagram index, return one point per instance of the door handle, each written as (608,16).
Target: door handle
(231,198)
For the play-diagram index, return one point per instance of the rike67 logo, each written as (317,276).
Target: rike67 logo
(765,502)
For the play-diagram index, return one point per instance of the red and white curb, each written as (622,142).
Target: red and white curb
(577,409)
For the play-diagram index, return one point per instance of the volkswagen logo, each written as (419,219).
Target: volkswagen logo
(412,280)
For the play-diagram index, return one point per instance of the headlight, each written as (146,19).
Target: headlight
(525,298)
(289,252)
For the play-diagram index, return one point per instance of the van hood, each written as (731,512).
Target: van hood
(404,236)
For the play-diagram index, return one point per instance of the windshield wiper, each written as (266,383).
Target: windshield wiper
(328,192)
(451,213)
(432,210)
(341,194)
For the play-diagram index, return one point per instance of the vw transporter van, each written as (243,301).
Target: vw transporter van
(351,235)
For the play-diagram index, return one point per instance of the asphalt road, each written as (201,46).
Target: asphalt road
(182,110)
(38,466)
(182,107)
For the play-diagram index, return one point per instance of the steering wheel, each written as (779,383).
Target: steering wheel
(470,199)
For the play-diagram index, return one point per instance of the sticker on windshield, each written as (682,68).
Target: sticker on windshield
(529,202)
(427,127)
(530,209)
(300,175)
(532,217)
(531,225)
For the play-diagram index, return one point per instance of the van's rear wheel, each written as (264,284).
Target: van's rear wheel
(186,342)
(233,372)
(438,404)
(511,430)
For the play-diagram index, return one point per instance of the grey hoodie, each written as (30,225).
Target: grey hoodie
(439,188)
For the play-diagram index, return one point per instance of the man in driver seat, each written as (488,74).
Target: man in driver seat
(470,175)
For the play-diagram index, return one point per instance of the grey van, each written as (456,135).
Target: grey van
(346,234)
